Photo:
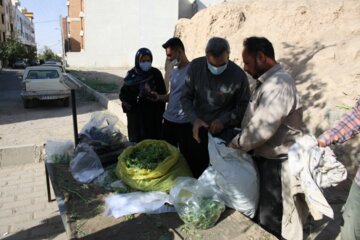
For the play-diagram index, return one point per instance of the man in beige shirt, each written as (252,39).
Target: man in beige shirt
(272,119)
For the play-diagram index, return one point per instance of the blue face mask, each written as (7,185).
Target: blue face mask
(216,70)
(145,66)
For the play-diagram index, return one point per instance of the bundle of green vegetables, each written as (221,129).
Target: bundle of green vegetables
(60,158)
(200,214)
(147,157)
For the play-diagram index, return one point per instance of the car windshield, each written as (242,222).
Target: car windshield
(42,74)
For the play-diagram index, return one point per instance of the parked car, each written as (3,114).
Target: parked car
(55,65)
(20,64)
(34,62)
(44,83)
(53,62)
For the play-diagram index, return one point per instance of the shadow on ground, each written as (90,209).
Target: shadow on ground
(48,229)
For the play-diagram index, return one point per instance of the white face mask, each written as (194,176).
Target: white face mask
(175,62)
(145,66)
(216,70)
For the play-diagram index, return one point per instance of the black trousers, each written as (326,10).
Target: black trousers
(270,209)
(135,130)
(180,135)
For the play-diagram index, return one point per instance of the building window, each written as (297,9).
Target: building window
(4,36)
(1,2)
(2,18)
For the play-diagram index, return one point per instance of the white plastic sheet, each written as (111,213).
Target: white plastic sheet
(136,202)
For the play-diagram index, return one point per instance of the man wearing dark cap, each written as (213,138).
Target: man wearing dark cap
(177,129)
(215,97)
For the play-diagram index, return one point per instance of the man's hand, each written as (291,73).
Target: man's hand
(231,145)
(216,126)
(158,97)
(321,143)
(154,96)
(198,123)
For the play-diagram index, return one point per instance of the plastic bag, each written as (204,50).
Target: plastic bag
(235,177)
(102,134)
(109,180)
(86,165)
(59,151)
(196,204)
(136,202)
(162,178)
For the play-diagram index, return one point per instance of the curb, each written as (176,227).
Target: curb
(111,105)
(22,154)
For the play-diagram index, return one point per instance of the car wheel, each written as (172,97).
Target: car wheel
(27,103)
(66,102)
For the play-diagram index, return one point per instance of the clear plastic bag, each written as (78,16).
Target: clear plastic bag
(110,181)
(102,134)
(86,165)
(196,204)
(59,151)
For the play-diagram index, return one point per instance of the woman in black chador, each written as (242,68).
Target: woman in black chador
(144,113)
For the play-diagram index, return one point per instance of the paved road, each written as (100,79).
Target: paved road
(45,120)
(10,81)
(10,88)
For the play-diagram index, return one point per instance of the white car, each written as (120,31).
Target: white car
(44,83)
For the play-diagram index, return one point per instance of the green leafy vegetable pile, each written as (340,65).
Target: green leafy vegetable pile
(147,157)
(201,214)
(60,158)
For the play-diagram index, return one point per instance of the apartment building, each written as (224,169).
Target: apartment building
(74,28)
(24,27)
(2,21)
(8,19)
(100,35)
(23,24)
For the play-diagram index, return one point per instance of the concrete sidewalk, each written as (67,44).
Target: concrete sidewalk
(24,210)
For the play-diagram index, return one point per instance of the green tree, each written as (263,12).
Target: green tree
(48,54)
(31,53)
(11,50)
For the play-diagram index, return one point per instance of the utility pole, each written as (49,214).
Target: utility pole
(62,42)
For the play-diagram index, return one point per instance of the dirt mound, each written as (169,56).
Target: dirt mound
(318,42)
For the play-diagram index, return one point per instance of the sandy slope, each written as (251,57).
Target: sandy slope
(317,41)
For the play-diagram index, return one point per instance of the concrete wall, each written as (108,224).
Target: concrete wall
(187,8)
(114,31)
(207,3)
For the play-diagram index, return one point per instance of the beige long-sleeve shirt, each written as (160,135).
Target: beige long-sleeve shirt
(273,116)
